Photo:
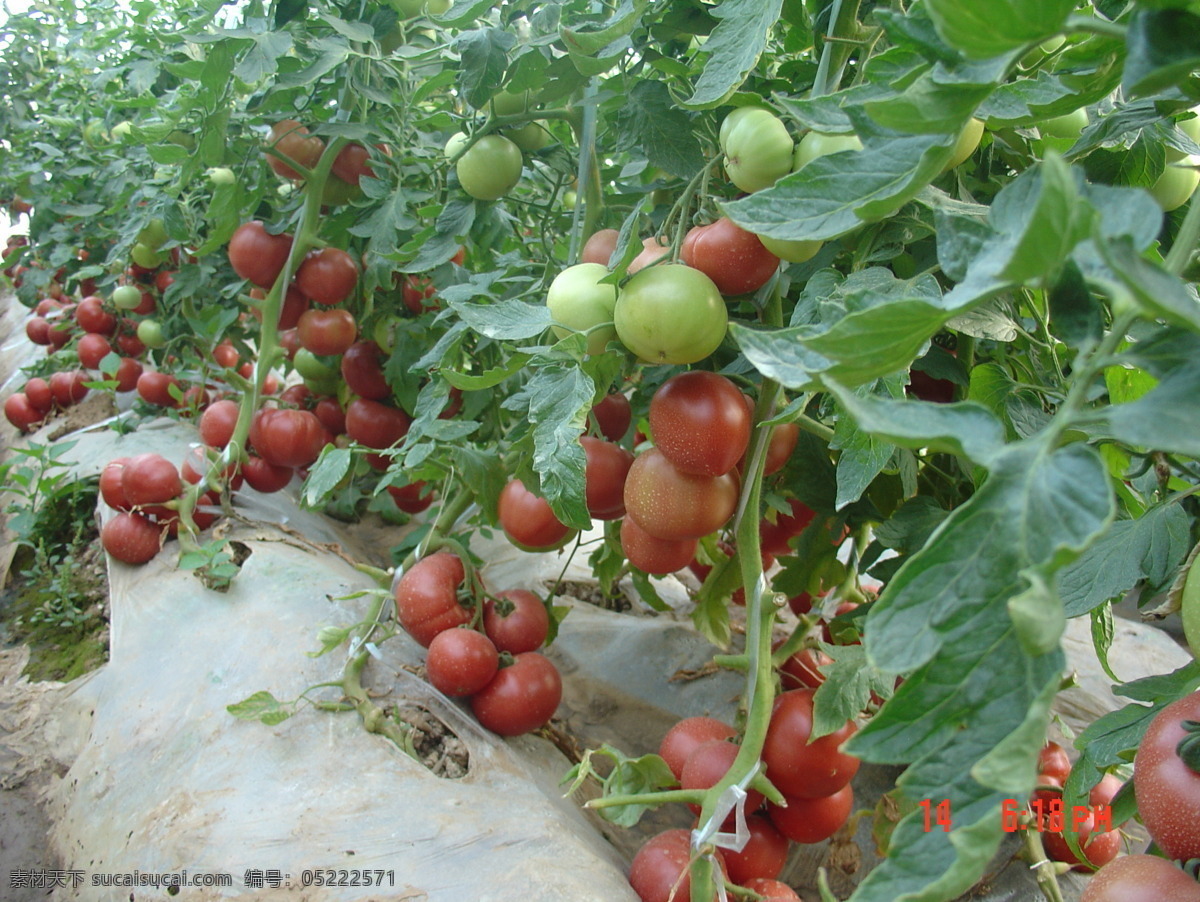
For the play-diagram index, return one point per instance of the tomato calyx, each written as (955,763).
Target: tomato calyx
(1188,749)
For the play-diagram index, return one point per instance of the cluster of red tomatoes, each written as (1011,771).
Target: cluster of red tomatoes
(512,687)
(1098,839)
(814,778)
(145,490)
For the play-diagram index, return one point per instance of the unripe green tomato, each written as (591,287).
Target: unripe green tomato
(490,168)
(968,140)
(221,175)
(1070,125)
(1190,612)
(791,251)
(149,333)
(145,256)
(324,386)
(580,301)
(384,333)
(569,200)
(670,314)
(1174,187)
(531,136)
(121,130)
(309,366)
(509,103)
(818,144)
(758,149)
(337,191)
(153,234)
(126,297)
(456,143)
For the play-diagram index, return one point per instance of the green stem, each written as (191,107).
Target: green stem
(1081,379)
(843,16)
(664,797)
(1185,241)
(1090,25)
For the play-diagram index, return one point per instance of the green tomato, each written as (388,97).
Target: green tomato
(384,333)
(153,234)
(579,301)
(456,143)
(121,130)
(1067,126)
(509,103)
(569,200)
(530,137)
(126,297)
(145,256)
(490,168)
(1174,187)
(221,175)
(819,144)
(791,251)
(758,148)
(324,386)
(968,140)
(150,333)
(309,366)
(670,314)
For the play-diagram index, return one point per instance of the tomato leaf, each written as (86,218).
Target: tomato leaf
(261,706)
(326,475)
(1161,416)
(484,56)
(1148,548)
(1164,50)
(849,682)
(995,28)
(592,41)
(509,320)
(734,48)
(650,120)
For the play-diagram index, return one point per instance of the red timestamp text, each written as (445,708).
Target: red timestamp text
(1042,815)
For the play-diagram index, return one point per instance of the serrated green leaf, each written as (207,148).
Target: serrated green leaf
(508,320)
(734,48)
(484,56)
(326,475)
(651,121)
(849,683)
(489,379)
(863,457)
(963,427)
(1149,547)
(1161,293)
(941,99)
(986,30)
(646,591)
(589,43)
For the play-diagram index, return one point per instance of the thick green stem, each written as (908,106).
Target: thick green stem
(1185,241)
(835,53)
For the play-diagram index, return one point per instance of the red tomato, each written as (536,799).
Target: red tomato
(427,597)
(362,368)
(288,438)
(352,163)
(327,276)
(112,485)
(776,537)
(659,871)
(37,330)
(1141,878)
(815,819)
(654,555)
(375,425)
(800,768)
(131,538)
(127,374)
(92,317)
(257,255)
(652,252)
(217,423)
(1054,762)
(1098,848)
(686,736)
(670,504)
(20,412)
(37,390)
(412,498)
(1105,791)
(1166,773)
(329,411)
(265,477)
(780,446)
(92,348)
(772,890)
(461,661)
(292,139)
(155,388)
(599,247)
(613,416)
(68,387)
(762,857)
(417,292)
(804,669)
(327,332)
(225,354)
(528,520)
(700,423)
(129,344)
(604,479)
(150,479)
(521,697)
(733,258)
(299,396)
(516,620)
(708,763)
